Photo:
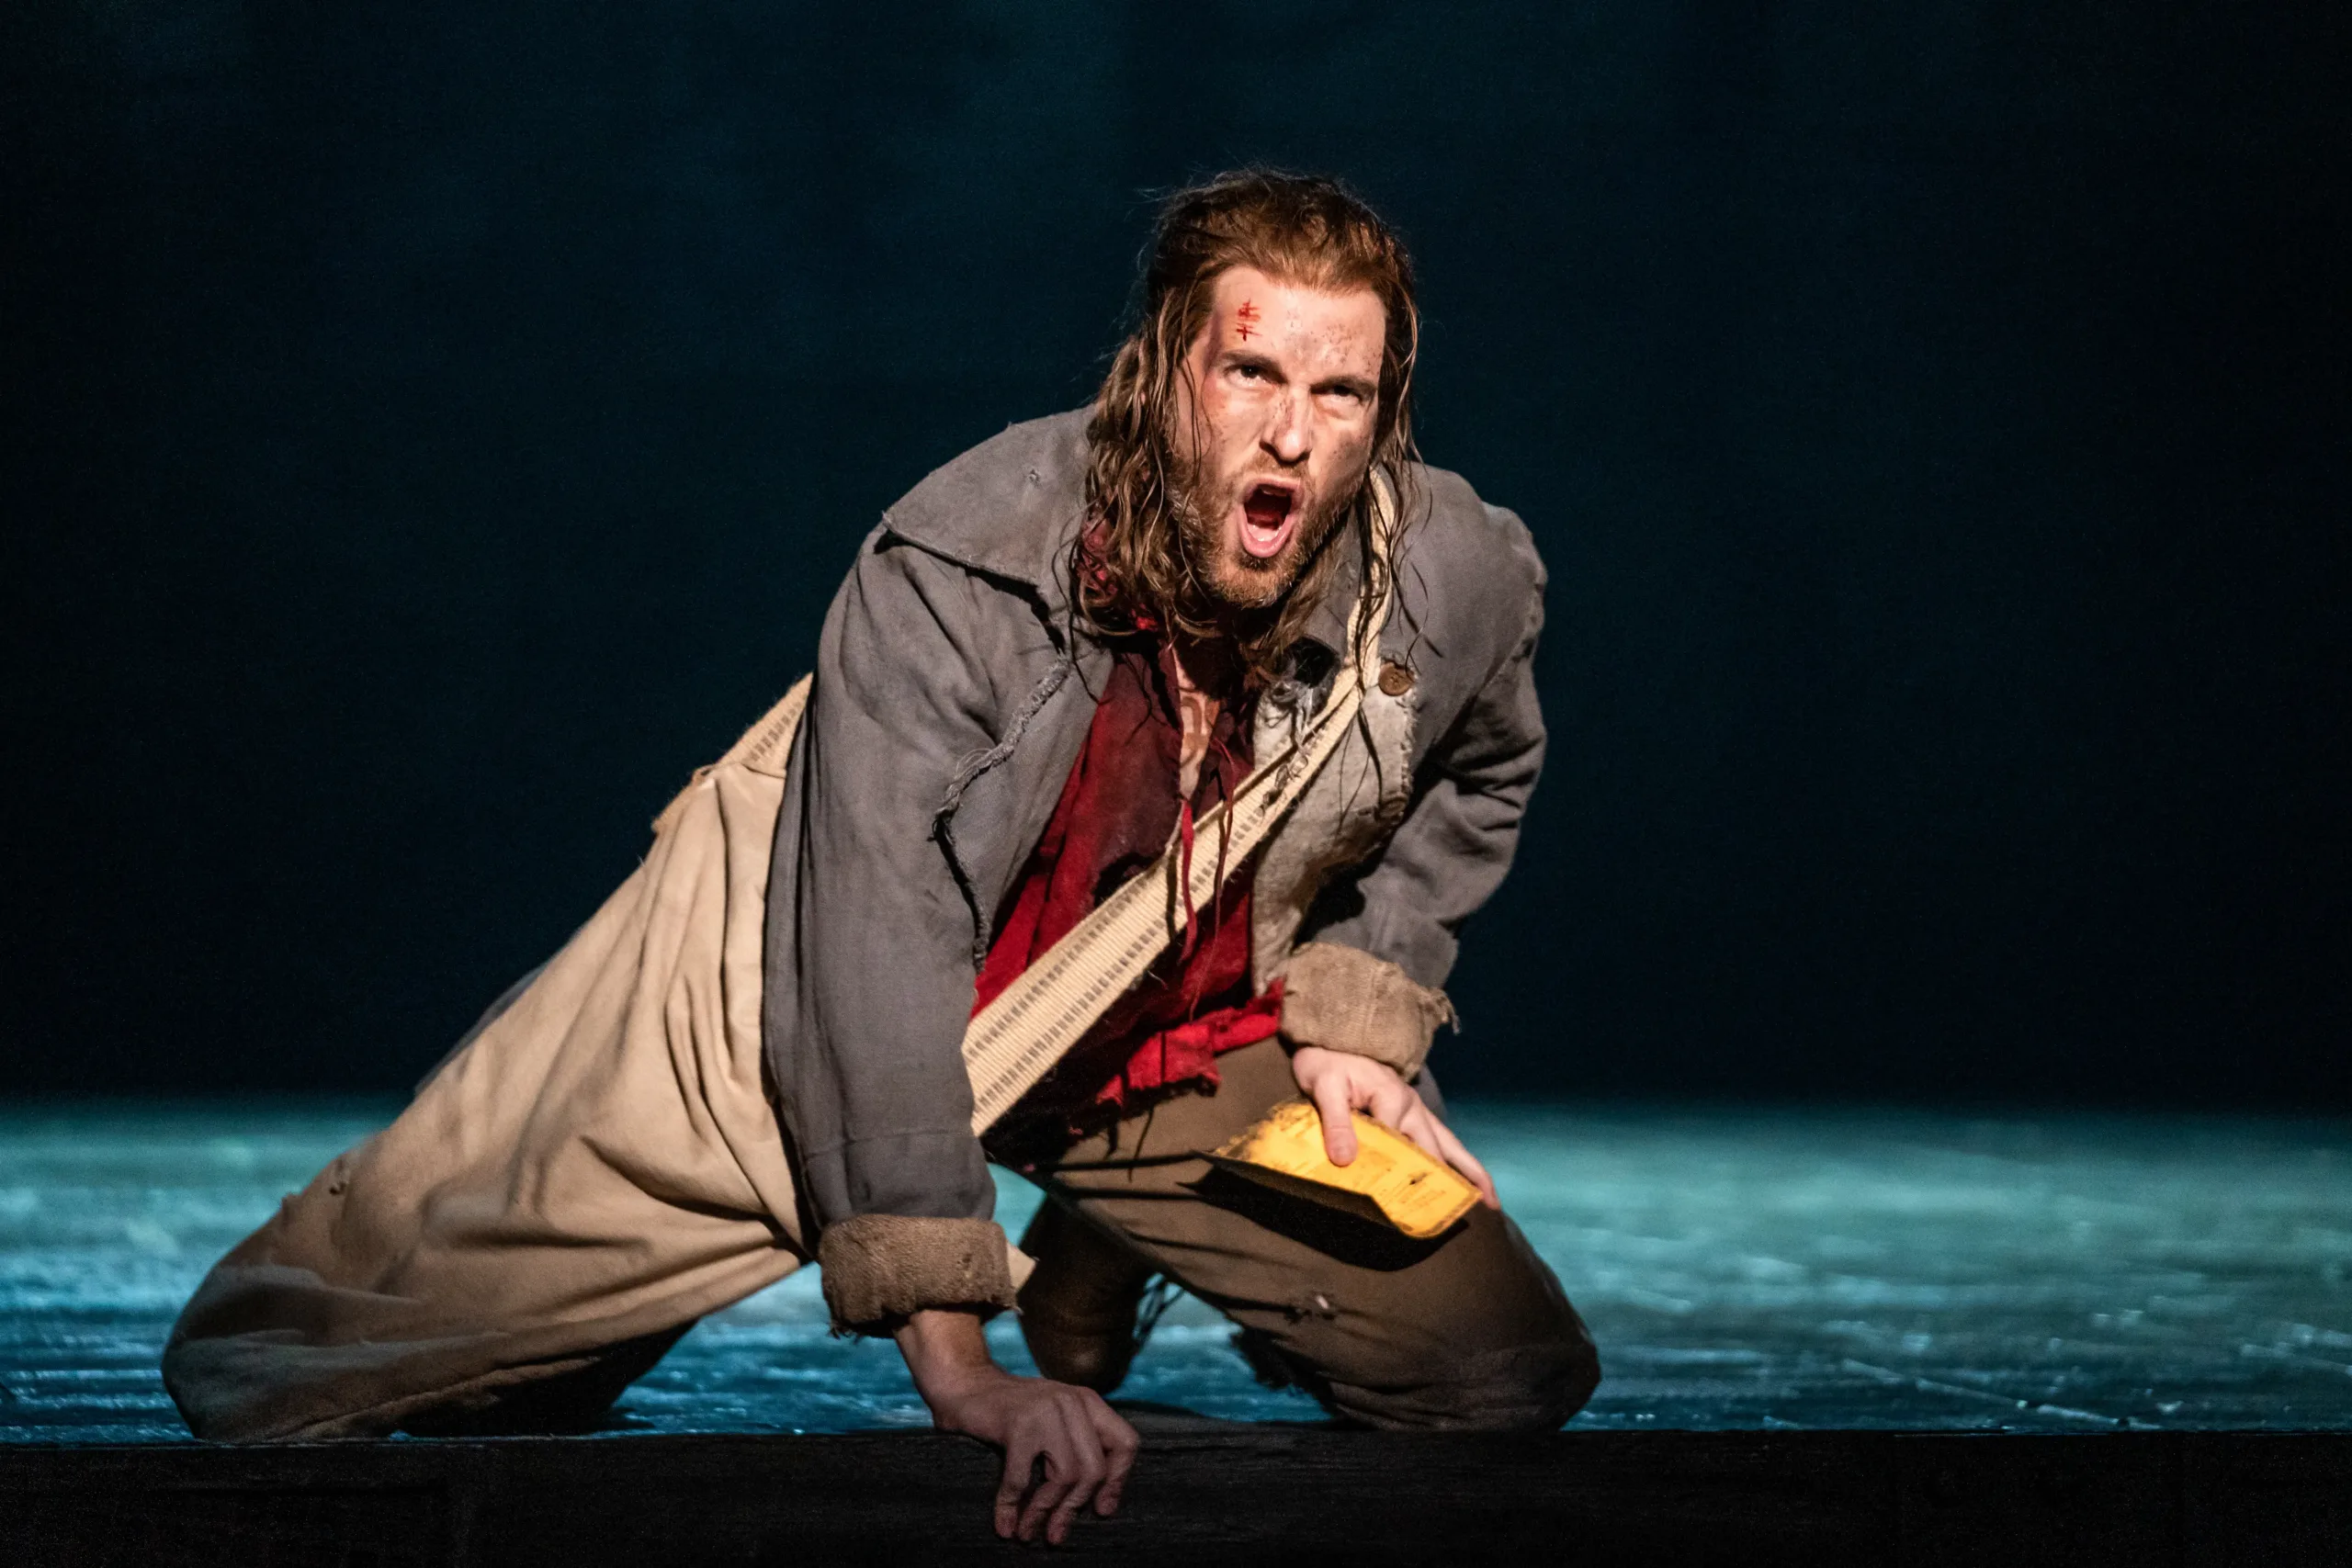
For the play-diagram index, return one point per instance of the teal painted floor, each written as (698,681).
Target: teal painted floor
(1739,1269)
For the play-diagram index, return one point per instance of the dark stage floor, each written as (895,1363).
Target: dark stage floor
(1741,1271)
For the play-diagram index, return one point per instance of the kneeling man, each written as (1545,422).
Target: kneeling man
(1049,659)
(1053,667)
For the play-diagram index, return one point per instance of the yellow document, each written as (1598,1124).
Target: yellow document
(1391,1178)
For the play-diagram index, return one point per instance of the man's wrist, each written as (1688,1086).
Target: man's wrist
(947,1353)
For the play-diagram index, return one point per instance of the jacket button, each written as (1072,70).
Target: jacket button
(1394,679)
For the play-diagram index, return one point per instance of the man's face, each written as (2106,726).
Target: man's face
(1274,424)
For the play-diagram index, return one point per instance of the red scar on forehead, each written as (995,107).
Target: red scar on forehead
(1246,315)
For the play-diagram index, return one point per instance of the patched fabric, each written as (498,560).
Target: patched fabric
(881,1268)
(1343,998)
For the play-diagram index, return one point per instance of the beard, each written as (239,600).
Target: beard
(1237,581)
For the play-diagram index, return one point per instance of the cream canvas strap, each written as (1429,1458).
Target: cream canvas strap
(1032,1023)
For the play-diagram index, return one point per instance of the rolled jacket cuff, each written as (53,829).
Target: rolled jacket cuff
(1343,998)
(877,1269)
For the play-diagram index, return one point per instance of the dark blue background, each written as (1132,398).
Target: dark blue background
(435,428)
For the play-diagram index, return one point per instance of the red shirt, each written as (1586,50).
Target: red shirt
(1118,811)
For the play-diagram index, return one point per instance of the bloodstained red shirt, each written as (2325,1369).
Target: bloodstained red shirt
(1119,810)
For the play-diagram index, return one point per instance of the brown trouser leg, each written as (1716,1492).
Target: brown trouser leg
(1470,1331)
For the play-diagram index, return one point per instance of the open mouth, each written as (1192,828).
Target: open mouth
(1269,517)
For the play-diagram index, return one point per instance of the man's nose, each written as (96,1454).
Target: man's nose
(1287,437)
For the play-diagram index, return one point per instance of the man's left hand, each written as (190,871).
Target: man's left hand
(1340,1083)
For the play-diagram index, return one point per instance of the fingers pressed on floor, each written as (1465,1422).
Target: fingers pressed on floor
(1066,1511)
(1020,1473)
(1120,1445)
(1064,1468)
(1090,1464)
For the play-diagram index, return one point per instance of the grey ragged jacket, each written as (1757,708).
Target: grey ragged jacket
(950,701)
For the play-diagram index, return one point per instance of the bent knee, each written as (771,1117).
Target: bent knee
(1524,1388)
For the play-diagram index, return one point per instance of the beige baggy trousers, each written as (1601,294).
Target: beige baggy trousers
(600,1166)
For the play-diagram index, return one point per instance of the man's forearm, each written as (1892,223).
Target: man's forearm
(946,1352)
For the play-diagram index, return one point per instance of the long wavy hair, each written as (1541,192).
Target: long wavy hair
(1129,568)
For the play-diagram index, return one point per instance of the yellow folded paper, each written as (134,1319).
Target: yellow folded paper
(1391,1178)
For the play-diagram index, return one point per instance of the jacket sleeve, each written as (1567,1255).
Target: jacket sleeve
(868,974)
(1381,940)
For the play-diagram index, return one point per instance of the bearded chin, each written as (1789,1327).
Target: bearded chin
(1239,581)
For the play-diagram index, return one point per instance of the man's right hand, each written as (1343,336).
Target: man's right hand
(1341,1082)
(1063,1445)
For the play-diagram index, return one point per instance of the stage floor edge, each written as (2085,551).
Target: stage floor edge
(1206,1492)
